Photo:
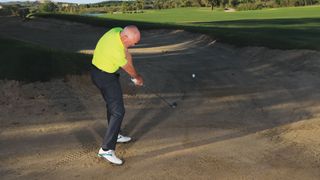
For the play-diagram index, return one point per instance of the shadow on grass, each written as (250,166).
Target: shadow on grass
(27,62)
(265,22)
(286,33)
(300,33)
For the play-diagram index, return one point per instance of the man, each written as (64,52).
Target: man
(110,54)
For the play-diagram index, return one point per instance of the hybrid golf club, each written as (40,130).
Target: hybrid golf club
(172,105)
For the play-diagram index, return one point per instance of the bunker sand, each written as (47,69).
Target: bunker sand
(250,113)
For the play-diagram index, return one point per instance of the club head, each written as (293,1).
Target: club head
(174,105)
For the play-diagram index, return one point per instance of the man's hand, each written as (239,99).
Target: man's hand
(138,81)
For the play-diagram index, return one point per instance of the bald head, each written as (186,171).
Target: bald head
(130,35)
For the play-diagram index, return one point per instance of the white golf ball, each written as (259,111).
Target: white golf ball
(193,75)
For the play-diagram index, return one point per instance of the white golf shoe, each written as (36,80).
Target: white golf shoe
(110,156)
(123,139)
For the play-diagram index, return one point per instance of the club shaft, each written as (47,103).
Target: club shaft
(162,98)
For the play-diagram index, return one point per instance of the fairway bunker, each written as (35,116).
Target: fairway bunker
(261,122)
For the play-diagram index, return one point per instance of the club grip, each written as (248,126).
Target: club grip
(134,80)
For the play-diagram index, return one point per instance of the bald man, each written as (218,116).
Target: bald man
(111,54)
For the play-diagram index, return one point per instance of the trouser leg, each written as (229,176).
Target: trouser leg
(110,88)
(116,114)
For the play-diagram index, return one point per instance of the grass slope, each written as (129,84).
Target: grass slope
(282,28)
(27,62)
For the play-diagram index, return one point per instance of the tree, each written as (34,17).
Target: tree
(233,3)
(23,13)
(14,9)
(140,4)
(124,7)
(215,3)
(48,7)
(201,3)
(158,4)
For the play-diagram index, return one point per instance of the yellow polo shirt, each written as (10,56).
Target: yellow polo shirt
(109,54)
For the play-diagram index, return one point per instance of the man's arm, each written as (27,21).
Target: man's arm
(129,68)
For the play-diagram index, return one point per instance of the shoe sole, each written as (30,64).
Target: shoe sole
(100,156)
(124,141)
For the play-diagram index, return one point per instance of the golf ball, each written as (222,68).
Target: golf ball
(193,75)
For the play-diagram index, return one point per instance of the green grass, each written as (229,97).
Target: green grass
(282,28)
(187,16)
(27,62)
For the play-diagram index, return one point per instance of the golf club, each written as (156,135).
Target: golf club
(172,105)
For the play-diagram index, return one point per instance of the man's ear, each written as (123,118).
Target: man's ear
(125,37)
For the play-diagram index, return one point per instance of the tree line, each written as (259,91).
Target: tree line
(137,6)
(237,4)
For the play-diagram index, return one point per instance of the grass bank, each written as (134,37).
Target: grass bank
(28,62)
(281,28)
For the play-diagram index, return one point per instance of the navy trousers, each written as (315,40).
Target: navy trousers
(110,88)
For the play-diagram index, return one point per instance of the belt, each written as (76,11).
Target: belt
(115,73)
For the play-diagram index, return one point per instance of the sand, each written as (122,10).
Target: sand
(250,112)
